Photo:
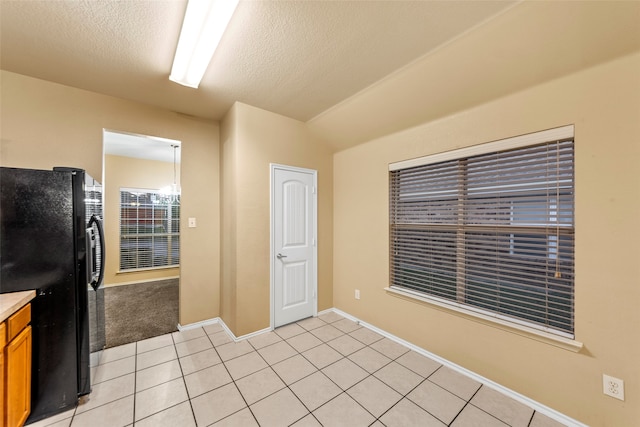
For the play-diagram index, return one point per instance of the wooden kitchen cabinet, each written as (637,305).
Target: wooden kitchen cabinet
(15,362)
(3,342)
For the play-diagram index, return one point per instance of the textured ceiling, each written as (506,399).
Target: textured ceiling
(527,45)
(141,147)
(296,58)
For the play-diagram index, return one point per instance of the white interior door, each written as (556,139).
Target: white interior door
(293,254)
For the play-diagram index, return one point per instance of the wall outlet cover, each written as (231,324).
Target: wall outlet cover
(613,387)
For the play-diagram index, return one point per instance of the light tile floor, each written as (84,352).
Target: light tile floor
(324,371)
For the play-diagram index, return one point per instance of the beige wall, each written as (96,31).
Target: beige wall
(229,143)
(604,104)
(46,124)
(252,139)
(128,172)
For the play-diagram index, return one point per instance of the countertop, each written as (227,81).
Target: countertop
(12,302)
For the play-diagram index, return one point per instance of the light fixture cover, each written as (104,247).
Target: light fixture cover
(204,24)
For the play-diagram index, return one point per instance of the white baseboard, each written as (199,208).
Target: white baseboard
(252,334)
(224,326)
(136,282)
(328,310)
(199,324)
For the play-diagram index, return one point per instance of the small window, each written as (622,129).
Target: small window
(149,229)
(490,232)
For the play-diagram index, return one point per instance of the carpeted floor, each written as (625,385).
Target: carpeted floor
(139,311)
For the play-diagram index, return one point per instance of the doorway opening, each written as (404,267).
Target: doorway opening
(141,179)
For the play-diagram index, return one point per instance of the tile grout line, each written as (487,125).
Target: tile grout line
(181,371)
(340,388)
(233,381)
(467,403)
(329,378)
(318,370)
(282,379)
(402,396)
(184,382)
(75,409)
(135,383)
(488,413)
(405,396)
(177,359)
(371,374)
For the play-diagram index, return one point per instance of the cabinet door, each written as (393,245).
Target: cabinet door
(2,384)
(18,361)
(3,403)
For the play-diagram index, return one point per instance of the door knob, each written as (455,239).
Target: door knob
(280,256)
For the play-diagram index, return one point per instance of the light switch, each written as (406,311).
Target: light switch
(192,222)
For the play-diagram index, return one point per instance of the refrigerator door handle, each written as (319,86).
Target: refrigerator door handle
(95,282)
(90,255)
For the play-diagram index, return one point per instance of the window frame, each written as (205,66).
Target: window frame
(551,135)
(172,236)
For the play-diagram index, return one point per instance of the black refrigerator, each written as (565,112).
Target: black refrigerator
(51,241)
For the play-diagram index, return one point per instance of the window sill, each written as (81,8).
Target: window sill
(139,270)
(545,337)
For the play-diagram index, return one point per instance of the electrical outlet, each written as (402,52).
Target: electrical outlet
(613,387)
(357,293)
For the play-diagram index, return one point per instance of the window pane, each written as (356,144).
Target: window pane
(144,252)
(425,261)
(149,229)
(493,231)
(513,274)
(160,251)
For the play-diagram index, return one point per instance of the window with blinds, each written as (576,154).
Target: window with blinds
(149,229)
(490,232)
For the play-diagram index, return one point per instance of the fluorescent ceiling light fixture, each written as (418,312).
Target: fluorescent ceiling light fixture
(204,24)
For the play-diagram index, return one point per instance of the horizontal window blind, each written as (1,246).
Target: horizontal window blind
(149,229)
(493,231)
